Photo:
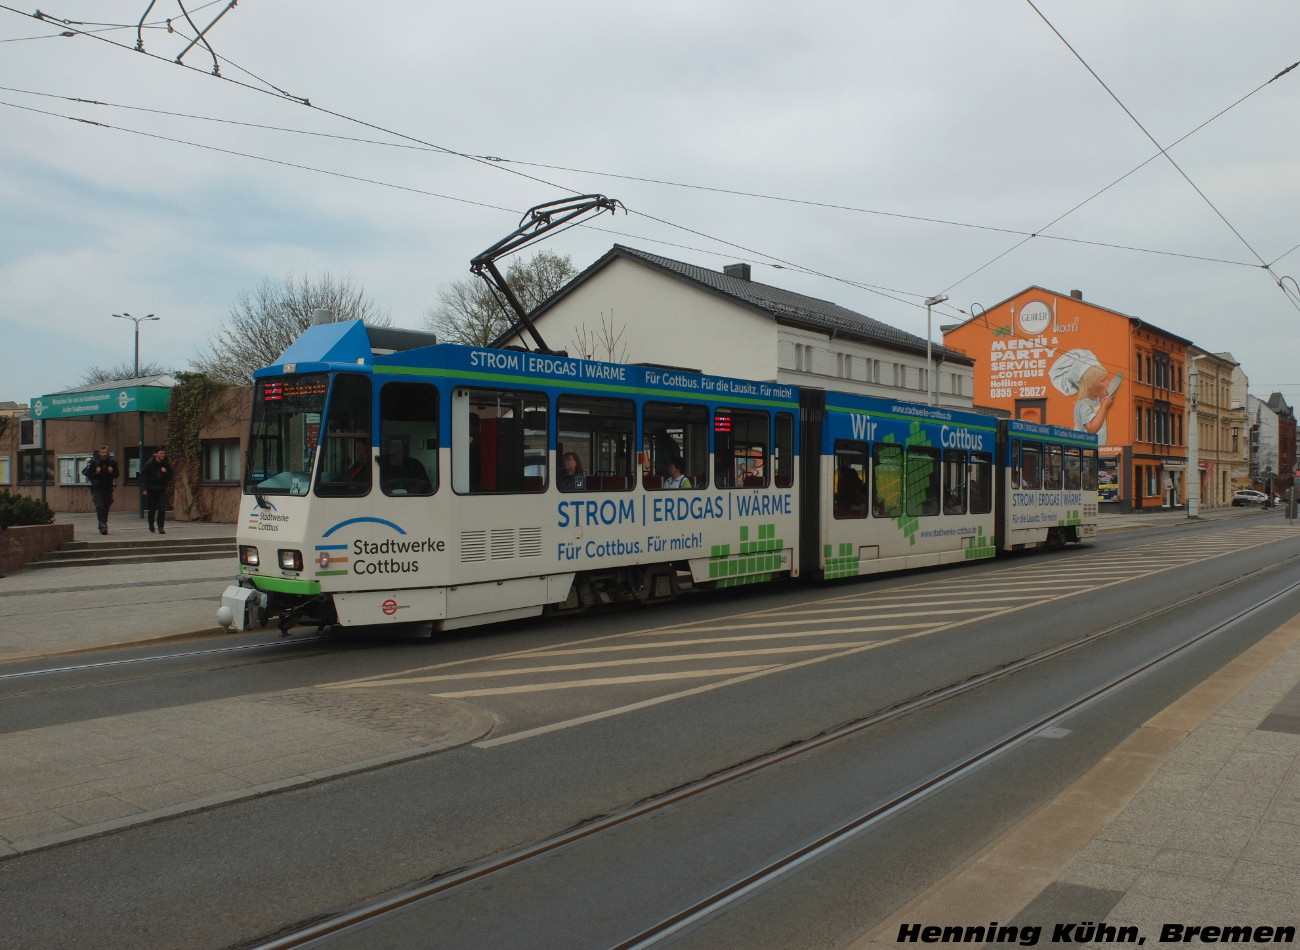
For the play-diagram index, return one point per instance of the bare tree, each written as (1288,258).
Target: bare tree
(603,343)
(264,323)
(468,311)
(124,370)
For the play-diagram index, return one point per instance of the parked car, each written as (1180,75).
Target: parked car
(1248,496)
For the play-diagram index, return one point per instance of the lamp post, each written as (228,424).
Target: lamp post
(137,321)
(139,459)
(929,366)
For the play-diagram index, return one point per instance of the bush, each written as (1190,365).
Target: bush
(24,510)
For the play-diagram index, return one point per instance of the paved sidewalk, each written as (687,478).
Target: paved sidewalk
(65,610)
(1192,821)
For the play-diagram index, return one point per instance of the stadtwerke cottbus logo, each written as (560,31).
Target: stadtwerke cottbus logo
(367,556)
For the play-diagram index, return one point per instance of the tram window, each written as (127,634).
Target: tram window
(740,439)
(1052,468)
(1089,471)
(285,433)
(1015,464)
(601,433)
(674,431)
(954,482)
(850,488)
(346,464)
(503,440)
(1031,466)
(980,481)
(921,494)
(408,439)
(783,451)
(887,480)
(1073,469)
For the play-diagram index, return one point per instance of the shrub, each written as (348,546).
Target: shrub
(24,510)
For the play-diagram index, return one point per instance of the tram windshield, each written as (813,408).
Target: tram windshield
(287,412)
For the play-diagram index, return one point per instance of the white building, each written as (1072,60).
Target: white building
(634,307)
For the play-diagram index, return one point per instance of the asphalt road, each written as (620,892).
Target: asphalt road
(561,756)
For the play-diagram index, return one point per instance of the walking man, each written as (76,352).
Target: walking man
(101,470)
(155,479)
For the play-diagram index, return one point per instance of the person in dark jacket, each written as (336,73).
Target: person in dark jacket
(155,479)
(101,470)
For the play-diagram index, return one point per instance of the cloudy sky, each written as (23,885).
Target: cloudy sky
(878,152)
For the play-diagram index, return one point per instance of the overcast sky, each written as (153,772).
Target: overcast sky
(943,132)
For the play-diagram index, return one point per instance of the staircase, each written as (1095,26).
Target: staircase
(151,551)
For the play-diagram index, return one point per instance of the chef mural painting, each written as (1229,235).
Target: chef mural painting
(1079,373)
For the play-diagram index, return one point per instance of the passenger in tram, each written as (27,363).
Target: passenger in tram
(359,469)
(850,493)
(572,478)
(676,478)
(401,474)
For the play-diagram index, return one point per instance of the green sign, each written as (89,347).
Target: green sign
(129,399)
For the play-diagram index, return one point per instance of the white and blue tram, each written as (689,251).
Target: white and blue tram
(461,485)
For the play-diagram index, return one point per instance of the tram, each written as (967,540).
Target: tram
(391,479)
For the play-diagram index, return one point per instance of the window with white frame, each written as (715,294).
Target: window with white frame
(70,468)
(6,470)
(221,462)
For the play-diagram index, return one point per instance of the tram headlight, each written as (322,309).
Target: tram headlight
(248,555)
(290,560)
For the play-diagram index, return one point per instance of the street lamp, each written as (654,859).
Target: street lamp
(137,321)
(929,366)
(139,459)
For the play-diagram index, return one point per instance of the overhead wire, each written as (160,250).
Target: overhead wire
(1132,171)
(502,164)
(1163,151)
(757,195)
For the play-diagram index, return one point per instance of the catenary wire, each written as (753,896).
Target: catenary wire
(727,191)
(279,93)
(1263,264)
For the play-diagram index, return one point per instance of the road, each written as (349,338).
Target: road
(596,714)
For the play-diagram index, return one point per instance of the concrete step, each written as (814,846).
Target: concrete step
(151,550)
(152,543)
(95,559)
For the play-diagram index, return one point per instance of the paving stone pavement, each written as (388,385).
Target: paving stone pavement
(61,783)
(1194,821)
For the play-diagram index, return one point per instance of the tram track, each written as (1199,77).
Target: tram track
(735,890)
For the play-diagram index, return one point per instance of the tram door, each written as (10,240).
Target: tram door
(407,451)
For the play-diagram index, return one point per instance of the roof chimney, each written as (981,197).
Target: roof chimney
(1077,294)
(739,271)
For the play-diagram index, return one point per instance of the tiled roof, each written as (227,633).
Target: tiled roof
(784,305)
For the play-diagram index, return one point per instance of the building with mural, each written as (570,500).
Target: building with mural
(1053,358)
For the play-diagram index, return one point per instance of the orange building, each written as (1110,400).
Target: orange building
(1052,358)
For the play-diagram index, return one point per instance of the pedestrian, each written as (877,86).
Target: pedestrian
(101,470)
(155,479)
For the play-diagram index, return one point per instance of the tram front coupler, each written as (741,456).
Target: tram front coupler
(242,608)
